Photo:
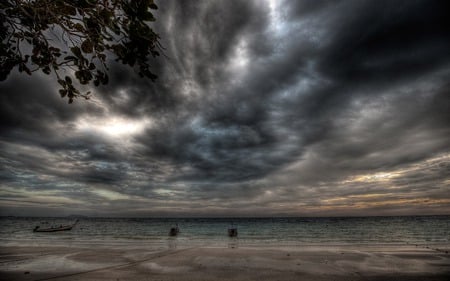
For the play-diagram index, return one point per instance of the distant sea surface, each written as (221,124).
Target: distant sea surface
(277,232)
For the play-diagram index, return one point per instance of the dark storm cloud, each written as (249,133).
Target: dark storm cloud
(28,104)
(294,105)
(385,42)
(355,40)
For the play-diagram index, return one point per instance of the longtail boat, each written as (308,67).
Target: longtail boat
(54,229)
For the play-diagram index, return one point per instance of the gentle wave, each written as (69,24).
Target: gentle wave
(252,231)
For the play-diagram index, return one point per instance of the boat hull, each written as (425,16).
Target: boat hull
(53,229)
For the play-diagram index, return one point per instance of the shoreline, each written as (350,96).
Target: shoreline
(99,262)
(182,242)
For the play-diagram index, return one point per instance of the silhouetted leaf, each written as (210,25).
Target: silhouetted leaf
(86,46)
(63,92)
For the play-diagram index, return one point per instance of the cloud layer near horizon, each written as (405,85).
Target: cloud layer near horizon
(260,108)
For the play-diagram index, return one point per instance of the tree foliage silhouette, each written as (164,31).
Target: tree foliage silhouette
(75,38)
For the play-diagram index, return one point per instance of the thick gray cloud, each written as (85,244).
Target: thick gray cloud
(260,108)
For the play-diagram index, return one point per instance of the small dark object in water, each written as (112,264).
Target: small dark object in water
(54,229)
(174,231)
(26,272)
(232,232)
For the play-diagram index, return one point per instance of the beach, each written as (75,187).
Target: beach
(233,262)
(370,248)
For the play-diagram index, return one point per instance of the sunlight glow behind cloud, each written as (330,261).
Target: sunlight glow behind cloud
(115,127)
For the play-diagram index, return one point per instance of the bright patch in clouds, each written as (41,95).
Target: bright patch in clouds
(241,59)
(377,177)
(110,195)
(113,127)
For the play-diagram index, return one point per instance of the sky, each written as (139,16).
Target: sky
(261,108)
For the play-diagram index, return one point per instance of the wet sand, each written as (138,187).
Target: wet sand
(232,263)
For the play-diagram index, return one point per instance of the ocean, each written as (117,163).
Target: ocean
(212,232)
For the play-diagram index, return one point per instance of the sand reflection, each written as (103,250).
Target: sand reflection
(172,243)
(233,243)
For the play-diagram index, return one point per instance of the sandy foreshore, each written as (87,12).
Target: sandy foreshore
(232,263)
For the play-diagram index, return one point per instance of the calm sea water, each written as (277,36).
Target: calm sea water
(422,230)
